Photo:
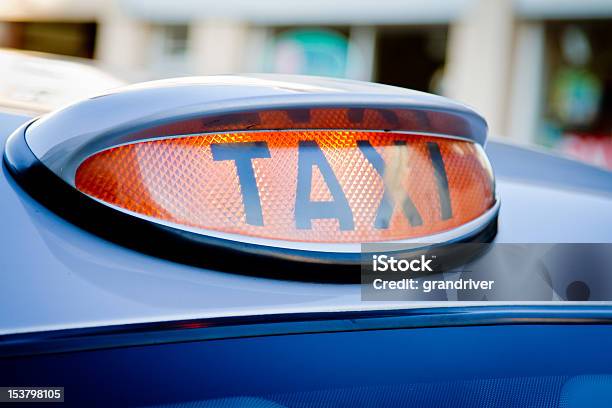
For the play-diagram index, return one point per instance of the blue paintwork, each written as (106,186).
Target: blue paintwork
(55,275)
(547,198)
(483,366)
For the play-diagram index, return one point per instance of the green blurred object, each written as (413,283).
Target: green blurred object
(308,52)
(576,97)
(550,134)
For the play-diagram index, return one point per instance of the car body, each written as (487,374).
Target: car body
(148,330)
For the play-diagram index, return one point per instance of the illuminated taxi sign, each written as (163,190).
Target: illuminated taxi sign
(313,186)
(251,174)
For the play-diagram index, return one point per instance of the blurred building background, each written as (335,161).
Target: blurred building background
(540,71)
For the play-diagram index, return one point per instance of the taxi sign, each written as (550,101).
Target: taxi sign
(313,186)
(297,168)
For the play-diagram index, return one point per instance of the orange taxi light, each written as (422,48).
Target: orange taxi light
(324,186)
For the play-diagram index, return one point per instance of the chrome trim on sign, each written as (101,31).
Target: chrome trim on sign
(453,235)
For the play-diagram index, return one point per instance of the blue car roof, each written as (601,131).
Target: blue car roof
(56,275)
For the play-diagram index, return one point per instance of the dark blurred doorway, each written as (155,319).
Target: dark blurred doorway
(411,57)
(72,39)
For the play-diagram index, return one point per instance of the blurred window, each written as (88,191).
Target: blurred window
(175,40)
(169,51)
